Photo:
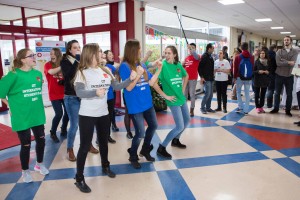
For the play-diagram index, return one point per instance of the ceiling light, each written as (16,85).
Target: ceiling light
(230,2)
(285,32)
(277,27)
(264,20)
(292,35)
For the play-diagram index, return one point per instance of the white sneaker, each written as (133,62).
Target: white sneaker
(26,176)
(40,167)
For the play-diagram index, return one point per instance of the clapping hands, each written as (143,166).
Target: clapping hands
(100,92)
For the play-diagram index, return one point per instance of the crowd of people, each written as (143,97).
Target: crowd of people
(82,89)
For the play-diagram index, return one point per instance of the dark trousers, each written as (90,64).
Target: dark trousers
(127,117)
(221,87)
(298,99)
(260,94)
(288,83)
(60,112)
(25,140)
(86,128)
(270,91)
(111,112)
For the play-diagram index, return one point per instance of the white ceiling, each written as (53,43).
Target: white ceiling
(284,13)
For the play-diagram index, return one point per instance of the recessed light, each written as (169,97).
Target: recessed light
(230,2)
(277,27)
(264,20)
(292,35)
(285,32)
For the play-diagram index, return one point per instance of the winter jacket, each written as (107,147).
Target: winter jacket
(261,80)
(206,67)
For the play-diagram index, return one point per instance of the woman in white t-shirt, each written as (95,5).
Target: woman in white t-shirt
(222,69)
(91,85)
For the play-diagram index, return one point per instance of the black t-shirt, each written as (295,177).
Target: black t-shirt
(69,70)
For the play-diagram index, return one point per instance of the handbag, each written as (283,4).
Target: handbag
(296,71)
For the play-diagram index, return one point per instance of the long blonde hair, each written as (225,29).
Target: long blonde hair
(86,59)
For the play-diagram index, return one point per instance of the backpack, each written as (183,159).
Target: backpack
(245,68)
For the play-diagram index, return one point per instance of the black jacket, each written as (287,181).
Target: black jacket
(69,70)
(261,80)
(272,62)
(206,67)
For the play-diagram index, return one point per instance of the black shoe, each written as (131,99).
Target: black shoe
(54,137)
(82,186)
(63,132)
(161,151)
(288,113)
(110,140)
(135,164)
(108,172)
(146,152)
(224,110)
(210,110)
(297,122)
(274,111)
(177,143)
(218,109)
(128,150)
(129,135)
(114,128)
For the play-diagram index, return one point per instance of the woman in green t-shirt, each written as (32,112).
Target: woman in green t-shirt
(23,89)
(174,79)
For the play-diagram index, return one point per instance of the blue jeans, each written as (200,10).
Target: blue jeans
(247,84)
(72,104)
(59,110)
(138,122)
(288,82)
(206,101)
(181,117)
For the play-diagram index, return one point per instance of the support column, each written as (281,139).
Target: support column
(24,21)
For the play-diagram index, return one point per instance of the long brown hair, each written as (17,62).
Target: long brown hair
(131,55)
(68,48)
(175,52)
(17,63)
(86,59)
(58,55)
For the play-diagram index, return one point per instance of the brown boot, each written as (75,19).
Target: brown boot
(93,149)
(192,112)
(70,155)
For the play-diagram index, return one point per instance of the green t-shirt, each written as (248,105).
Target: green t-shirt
(24,92)
(171,79)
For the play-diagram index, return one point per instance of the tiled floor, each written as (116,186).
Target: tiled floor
(228,157)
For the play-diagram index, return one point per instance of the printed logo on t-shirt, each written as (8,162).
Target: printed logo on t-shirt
(38,78)
(105,75)
(178,70)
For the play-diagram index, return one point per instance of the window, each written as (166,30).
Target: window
(31,43)
(6,54)
(18,23)
(71,19)
(53,38)
(161,17)
(77,37)
(97,15)
(122,41)
(33,22)
(20,44)
(50,21)
(101,38)
(122,11)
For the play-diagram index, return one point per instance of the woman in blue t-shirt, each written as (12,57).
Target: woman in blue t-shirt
(139,100)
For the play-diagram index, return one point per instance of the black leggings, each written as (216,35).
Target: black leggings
(260,94)
(86,130)
(25,140)
(111,112)
(221,87)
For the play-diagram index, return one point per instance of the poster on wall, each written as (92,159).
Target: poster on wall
(43,49)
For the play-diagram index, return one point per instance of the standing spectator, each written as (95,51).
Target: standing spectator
(91,85)
(243,72)
(174,79)
(285,60)
(236,52)
(261,80)
(272,68)
(139,101)
(222,69)
(191,64)
(206,72)
(55,81)
(69,66)
(225,53)
(23,88)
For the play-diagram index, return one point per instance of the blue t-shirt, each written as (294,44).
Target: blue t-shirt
(139,98)
(110,93)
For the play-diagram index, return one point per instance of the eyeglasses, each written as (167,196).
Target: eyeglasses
(30,56)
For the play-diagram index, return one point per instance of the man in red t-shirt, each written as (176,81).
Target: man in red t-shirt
(191,66)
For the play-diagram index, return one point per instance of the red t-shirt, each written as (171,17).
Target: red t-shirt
(56,91)
(191,67)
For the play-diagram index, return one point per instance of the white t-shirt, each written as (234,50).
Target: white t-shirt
(224,64)
(94,78)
